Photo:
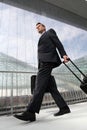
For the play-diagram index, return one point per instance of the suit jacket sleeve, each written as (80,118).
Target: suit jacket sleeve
(57,43)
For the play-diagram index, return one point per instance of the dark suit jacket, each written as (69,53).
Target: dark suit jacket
(47,48)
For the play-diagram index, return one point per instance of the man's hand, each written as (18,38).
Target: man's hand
(66,58)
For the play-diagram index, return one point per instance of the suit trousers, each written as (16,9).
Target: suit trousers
(43,79)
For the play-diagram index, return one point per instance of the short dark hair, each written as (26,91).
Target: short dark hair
(41,24)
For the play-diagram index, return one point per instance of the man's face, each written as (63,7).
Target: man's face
(40,28)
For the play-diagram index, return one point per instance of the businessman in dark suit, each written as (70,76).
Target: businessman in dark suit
(48,59)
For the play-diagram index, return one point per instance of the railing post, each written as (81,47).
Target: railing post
(11,99)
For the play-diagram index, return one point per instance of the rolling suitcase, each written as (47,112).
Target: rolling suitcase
(83,84)
(33,79)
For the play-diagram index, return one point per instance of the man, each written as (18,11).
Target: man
(48,59)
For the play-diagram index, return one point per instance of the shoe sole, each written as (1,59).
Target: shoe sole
(31,120)
(62,114)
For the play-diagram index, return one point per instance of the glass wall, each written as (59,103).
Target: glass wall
(19,38)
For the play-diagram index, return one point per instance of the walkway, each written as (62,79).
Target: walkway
(76,120)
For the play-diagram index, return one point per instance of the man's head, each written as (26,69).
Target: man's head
(40,28)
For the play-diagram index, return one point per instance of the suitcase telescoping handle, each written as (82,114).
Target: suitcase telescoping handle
(76,68)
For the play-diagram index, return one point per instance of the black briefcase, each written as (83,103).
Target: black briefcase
(33,80)
(83,84)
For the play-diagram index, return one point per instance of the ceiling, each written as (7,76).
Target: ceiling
(73,12)
(78,7)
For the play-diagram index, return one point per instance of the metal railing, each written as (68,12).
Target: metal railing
(15,92)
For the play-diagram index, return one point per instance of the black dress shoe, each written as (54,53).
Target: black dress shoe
(26,116)
(62,112)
